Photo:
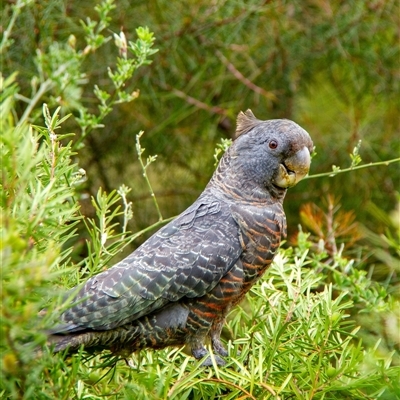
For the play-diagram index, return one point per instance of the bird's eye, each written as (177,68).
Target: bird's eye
(273,144)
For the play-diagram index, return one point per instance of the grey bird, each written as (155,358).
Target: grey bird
(177,288)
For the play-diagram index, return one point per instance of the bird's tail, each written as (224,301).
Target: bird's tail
(99,340)
(72,342)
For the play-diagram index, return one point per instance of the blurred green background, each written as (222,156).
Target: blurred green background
(330,66)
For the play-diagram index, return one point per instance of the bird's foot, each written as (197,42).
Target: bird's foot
(218,360)
(201,352)
(219,347)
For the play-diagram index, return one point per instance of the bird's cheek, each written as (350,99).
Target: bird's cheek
(294,169)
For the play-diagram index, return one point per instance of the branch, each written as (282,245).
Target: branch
(247,82)
(144,166)
(150,228)
(44,87)
(198,103)
(340,171)
(5,42)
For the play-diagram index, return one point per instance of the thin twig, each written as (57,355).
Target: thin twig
(6,34)
(140,151)
(247,82)
(340,171)
(227,383)
(149,228)
(44,87)
(198,103)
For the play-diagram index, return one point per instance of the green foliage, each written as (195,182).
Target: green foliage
(38,216)
(40,213)
(293,333)
(355,161)
(220,149)
(340,247)
(297,344)
(324,322)
(330,67)
(140,150)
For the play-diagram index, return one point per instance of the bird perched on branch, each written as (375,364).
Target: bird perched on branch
(177,288)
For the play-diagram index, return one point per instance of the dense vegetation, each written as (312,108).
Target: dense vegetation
(324,322)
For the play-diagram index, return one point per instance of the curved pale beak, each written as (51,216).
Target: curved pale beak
(293,169)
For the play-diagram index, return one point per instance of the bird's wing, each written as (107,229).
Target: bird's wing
(187,257)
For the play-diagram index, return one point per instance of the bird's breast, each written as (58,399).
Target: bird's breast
(261,229)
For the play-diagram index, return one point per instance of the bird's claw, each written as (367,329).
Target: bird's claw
(219,348)
(201,352)
(218,360)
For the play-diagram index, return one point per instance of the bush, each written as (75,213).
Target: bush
(295,336)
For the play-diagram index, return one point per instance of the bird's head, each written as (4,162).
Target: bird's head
(267,156)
